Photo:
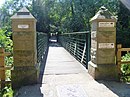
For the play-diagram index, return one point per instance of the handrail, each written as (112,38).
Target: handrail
(85,32)
(124,49)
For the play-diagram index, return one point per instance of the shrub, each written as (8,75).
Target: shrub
(7,44)
(125,68)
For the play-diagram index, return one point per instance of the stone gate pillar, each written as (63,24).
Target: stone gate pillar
(24,42)
(103,45)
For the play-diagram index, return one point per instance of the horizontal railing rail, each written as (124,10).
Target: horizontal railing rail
(77,44)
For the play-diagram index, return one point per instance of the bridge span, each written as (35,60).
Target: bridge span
(64,76)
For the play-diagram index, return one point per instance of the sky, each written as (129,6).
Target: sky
(1,2)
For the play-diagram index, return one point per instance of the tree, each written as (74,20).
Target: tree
(8,9)
(123,26)
(58,15)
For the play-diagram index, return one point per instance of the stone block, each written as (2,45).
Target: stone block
(92,69)
(23,53)
(18,36)
(22,76)
(106,56)
(24,58)
(112,29)
(103,71)
(24,62)
(30,23)
(24,45)
(106,36)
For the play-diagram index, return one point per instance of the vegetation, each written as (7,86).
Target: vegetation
(58,15)
(125,68)
(6,92)
(6,43)
(123,26)
(68,15)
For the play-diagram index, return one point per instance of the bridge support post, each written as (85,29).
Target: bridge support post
(103,45)
(24,40)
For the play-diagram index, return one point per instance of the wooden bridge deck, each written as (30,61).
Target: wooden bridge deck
(59,62)
(66,77)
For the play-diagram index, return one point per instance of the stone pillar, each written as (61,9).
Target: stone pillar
(24,49)
(103,45)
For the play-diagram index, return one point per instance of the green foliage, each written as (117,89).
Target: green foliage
(6,92)
(123,26)
(58,15)
(68,15)
(7,44)
(5,40)
(8,9)
(125,68)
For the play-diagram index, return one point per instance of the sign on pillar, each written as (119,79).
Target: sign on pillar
(103,46)
(24,49)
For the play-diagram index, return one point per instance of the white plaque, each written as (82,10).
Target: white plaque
(106,45)
(23,26)
(106,24)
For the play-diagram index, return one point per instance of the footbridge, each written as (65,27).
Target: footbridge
(70,64)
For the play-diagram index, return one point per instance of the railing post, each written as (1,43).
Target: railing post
(88,37)
(69,42)
(2,65)
(119,46)
(83,54)
(75,47)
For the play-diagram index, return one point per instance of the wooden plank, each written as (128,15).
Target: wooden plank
(5,82)
(5,54)
(119,68)
(2,64)
(124,49)
(6,68)
(119,46)
(125,62)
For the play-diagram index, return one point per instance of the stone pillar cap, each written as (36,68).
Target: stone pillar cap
(103,13)
(23,13)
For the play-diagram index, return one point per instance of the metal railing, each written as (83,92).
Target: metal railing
(78,45)
(42,45)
